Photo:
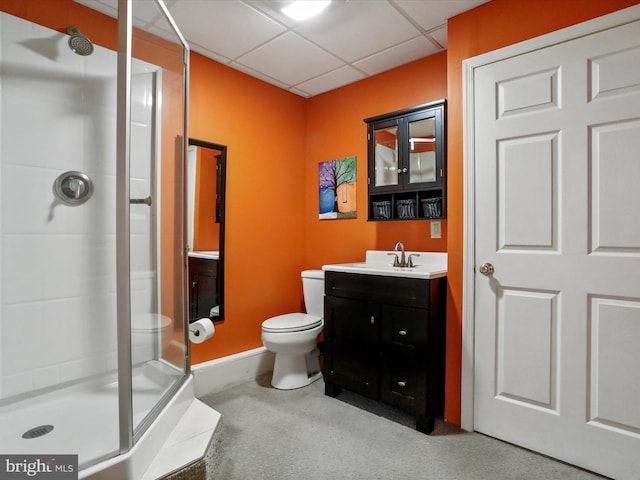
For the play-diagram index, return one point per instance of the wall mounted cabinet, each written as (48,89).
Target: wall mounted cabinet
(407,163)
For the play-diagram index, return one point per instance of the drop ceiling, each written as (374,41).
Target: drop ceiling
(349,41)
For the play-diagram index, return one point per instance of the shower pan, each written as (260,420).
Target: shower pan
(93,341)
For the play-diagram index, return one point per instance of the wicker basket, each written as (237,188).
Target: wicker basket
(431,207)
(381,210)
(406,208)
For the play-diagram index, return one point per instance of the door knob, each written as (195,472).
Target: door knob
(486,269)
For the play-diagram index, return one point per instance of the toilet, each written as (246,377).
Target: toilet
(293,337)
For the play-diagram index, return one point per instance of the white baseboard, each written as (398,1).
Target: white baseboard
(219,374)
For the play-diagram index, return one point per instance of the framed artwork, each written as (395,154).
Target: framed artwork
(337,188)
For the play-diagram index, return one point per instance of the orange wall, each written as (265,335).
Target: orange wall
(335,129)
(206,232)
(263,128)
(493,25)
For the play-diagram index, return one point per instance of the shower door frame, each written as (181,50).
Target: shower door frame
(128,436)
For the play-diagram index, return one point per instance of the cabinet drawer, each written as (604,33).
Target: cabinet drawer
(405,326)
(411,292)
(403,382)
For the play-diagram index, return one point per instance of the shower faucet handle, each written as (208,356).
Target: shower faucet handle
(73,188)
(77,187)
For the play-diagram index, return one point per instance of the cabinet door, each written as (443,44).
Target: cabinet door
(352,344)
(206,289)
(384,144)
(404,372)
(193,296)
(203,287)
(422,151)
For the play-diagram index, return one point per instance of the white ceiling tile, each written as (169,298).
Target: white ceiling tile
(358,29)
(329,81)
(440,36)
(308,57)
(259,75)
(209,54)
(272,8)
(290,58)
(242,29)
(142,12)
(432,13)
(302,93)
(393,57)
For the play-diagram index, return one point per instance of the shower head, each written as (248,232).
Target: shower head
(79,43)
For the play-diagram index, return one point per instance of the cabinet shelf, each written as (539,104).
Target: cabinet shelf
(421,205)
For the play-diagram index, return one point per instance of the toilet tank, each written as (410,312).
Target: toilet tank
(313,288)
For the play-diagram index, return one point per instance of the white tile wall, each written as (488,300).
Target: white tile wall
(57,271)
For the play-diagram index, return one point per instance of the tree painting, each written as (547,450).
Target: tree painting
(337,183)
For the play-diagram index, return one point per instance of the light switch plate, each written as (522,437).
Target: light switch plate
(436,229)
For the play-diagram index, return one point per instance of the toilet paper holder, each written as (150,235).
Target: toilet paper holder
(201,330)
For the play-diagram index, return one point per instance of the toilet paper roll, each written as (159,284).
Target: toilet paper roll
(201,330)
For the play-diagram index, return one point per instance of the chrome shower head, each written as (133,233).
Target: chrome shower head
(79,43)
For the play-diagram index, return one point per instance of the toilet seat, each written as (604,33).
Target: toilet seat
(291,322)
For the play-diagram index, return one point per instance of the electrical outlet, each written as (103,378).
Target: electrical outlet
(436,229)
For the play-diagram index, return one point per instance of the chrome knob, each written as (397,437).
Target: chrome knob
(73,188)
(486,269)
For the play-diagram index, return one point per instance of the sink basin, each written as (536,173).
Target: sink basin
(379,262)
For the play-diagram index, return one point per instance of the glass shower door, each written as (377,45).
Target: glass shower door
(156,214)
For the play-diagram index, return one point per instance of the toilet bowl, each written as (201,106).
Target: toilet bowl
(293,337)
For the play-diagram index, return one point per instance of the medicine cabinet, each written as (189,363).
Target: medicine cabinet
(407,163)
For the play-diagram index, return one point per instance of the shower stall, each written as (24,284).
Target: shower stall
(93,340)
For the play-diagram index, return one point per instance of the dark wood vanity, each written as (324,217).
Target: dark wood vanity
(203,287)
(384,337)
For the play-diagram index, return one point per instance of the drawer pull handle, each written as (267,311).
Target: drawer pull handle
(373,320)
(402,383)
(402,332)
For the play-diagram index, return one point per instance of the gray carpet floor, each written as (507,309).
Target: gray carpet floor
(304,434)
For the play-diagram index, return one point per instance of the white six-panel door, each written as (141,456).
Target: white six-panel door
(557,216)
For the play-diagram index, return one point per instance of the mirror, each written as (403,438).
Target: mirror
(422,151)
(206,172)
(386,156)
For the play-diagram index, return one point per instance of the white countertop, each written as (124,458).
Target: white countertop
(378,262)
(211,255)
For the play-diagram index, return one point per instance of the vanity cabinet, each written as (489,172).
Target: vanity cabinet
(384,338)
(203,287)
(407,163)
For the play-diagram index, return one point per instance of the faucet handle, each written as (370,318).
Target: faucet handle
(410,263)
(396,262)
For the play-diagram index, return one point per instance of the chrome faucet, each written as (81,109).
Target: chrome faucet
(402,262)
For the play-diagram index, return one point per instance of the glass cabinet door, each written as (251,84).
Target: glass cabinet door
(386,156)
(422,151)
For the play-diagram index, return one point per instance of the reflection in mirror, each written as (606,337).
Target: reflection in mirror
(206,169)
(422,151)
(386,156)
